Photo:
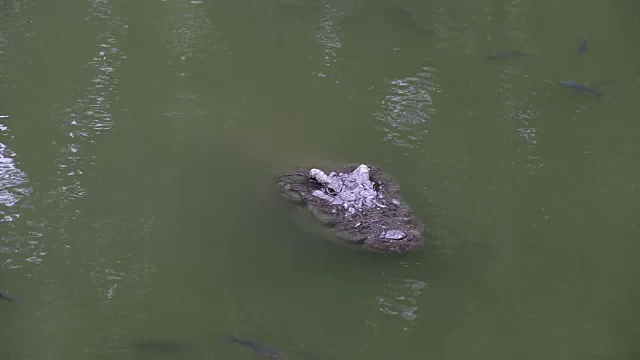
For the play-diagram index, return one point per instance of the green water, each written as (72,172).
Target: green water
(139,142)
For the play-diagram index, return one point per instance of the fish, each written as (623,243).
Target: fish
(508,54)
(263,351)
(401,11)
(582,49)
(580,87)
(4,296)
(404,19)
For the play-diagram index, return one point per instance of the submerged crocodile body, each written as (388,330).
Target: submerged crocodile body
(361,205)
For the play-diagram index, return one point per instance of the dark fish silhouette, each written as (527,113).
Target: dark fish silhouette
(263,351)
(4,296)
(571,84)
(401,11)
(509,54)
(584,44)
(403,19)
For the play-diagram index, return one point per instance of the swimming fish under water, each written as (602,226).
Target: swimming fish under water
(403,19)
(263,351)
(508,54)
(571,84)
(584,44)
(401,11)
(4,296)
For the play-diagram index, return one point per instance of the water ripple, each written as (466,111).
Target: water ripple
(191,29)
(190,36)
(407,107)
(13,181)
(518,107)
(90,115)
(15,185)
(328,35)
(400,298)
(529,132)
(81,121)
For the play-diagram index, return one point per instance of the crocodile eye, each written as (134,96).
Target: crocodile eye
(376,186)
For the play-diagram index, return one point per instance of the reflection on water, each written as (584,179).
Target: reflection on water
(91,115)
(14,187)
(328,34)
(517,101)
(401,298)
(406,108)
(191,30)
(10,8)
(191,36)
(12,180)
(81,121)
(529,133)
(162,247)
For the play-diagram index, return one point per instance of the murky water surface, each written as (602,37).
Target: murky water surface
(139,141)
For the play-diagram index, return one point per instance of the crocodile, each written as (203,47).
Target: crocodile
(361,205)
